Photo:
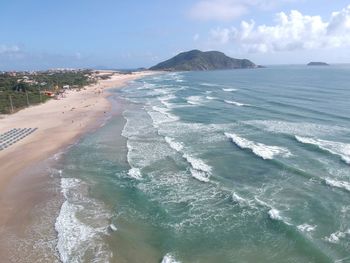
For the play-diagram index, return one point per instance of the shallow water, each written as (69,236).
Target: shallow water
(221,166)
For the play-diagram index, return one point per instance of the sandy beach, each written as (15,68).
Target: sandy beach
(59,123)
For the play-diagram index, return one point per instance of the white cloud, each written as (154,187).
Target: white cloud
(5,49)
(225,10)
(293,31)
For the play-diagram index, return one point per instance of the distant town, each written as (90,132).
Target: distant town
(26,88)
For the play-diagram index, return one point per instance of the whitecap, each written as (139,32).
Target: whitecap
(336,236)
(177,146)
(275,214)
(209,84)
(113,227)
(297,128)
(135,173)
(338,184)
(229,90)
(163,117)
(168,258)
(144,153)
(197,164)
(199,175)
(160,109)
(136,124)
(238,199)
(146,85)
(166,104)
(71,233)
(75,237)
(306,227)
(235,103)
(67,184)
(266,152)
(336,148)
(194,100)
(165,100)
(199,169)
(262,202)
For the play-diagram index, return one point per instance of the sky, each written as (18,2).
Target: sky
(42,34)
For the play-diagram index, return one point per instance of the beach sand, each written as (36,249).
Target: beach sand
(24,182)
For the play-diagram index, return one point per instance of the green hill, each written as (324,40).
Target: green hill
(198,60)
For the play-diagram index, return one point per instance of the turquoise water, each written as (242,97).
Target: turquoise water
(220,166)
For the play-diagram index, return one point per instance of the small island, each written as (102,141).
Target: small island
(196,60)
(318,64)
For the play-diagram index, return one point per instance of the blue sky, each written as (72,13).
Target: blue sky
(129,34)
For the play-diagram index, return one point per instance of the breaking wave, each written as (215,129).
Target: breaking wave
(229,90)
(135,173)
(275,214)
(306,228)
(336,148)
(161,115)
(272,212)
(235,103)
(78,237)
(168,258)
(266,152)
(177,146)
(195,100)
(337,236)
(297,128)
(199,169)
(338,184)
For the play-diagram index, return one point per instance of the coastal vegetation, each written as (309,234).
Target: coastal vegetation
(196,60)
(22,89)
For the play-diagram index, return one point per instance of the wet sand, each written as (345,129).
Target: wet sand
(26,188)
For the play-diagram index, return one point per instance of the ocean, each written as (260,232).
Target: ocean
(217,166)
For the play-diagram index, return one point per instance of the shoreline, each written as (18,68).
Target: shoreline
(24,176)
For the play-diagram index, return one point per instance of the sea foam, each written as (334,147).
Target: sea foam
(306,228)
(168,258)
(274,214)
(336,236)
(338,184)
(177,146)
(165,100)
(199,175)
(209,84)
(135,173)
(76,238)
(199,169)
(161,115)
(238,199)
(197,164)
(297,128)
(194,100)
(229,90)
(235,103)
(336,148)
(266,152)
(113,227)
